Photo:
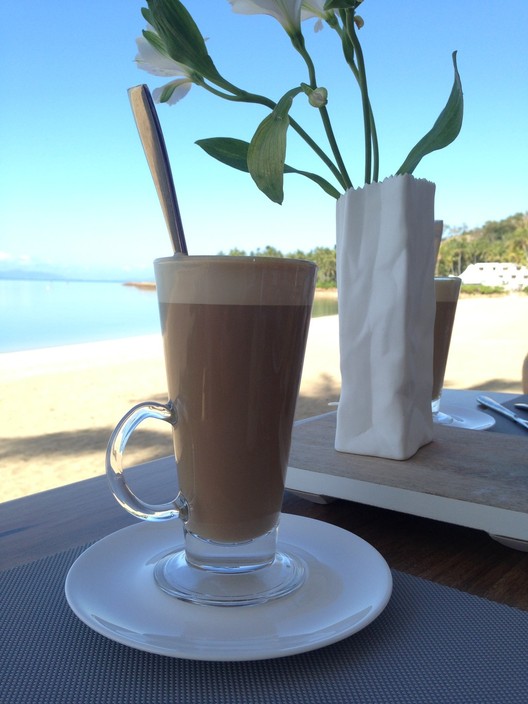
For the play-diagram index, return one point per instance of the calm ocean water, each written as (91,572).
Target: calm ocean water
(35,314)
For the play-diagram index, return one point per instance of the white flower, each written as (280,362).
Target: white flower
(287,12)
(153,61)
(313,8)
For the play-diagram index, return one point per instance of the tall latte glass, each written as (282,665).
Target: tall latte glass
(234,332)
(447,290)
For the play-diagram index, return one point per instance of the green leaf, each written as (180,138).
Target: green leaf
(323,183)
(147,15)
(267,149)
(180,35)
(444,131)
(233,152)
(155,41)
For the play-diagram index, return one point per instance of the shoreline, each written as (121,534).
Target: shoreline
(78,355)
(151,285)
(59,405)
(332,292)
(46,352)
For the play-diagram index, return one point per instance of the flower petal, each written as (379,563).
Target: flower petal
(173,92)
(287,12)
(153,61)
(313,8)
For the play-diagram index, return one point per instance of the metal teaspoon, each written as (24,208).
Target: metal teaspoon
(151,136)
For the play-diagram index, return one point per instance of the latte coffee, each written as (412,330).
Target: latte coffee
(234,340)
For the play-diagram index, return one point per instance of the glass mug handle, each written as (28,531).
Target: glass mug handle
(114,463)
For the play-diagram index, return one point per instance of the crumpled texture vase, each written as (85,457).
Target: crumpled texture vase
(385,271)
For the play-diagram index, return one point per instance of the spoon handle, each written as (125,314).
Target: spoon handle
(151,136)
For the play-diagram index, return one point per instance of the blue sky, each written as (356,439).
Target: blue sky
(75,190)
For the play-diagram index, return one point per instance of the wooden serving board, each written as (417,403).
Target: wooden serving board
(471,478)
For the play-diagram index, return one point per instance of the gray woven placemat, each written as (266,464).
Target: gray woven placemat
(432,644)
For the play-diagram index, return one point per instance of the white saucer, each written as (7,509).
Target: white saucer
(111,588)
(467,417)
(514,543)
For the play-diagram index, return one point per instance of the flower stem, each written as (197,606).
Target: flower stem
(298,43)
(239,95)
(320,153)
(348,52)
(375,147)
(362,80)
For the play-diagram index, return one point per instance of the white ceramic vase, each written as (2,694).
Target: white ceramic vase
(385,271)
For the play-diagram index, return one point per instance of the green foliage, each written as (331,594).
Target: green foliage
(341,4)
(323,257)
(177,39)
(267,149)
(496,241)
(472,289)
(234,153)
(444,131)
(177,36)
(227,150)
(505,240)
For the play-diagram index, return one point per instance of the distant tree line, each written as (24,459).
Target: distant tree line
(323,257)
(496,241)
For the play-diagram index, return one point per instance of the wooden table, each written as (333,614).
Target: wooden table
(474,479)
(460,557)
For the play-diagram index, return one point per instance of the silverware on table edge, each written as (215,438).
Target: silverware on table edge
(499,408)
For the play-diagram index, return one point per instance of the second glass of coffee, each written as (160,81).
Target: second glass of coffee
(447,290)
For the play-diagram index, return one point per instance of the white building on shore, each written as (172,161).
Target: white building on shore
(513,277)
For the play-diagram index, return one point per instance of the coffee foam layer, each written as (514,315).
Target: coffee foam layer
(234,280)
(447,289)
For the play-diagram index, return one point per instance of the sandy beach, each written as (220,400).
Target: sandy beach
(58,406)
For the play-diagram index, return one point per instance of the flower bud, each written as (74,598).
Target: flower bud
(359,22)
(318,98)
